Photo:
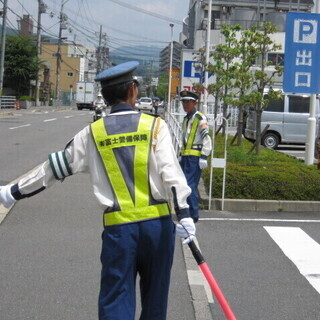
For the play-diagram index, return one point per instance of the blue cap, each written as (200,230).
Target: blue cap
(117,75)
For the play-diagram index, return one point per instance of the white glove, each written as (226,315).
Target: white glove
(186,230)
(203,163)
(6,197)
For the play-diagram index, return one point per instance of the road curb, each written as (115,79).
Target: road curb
(6,114)
(201,294)
(239,205)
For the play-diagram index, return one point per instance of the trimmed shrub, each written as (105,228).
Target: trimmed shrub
(269,176)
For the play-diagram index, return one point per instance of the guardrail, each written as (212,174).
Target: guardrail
(175,129)
(7,102)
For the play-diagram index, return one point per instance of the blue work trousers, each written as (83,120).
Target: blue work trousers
(192,172)
(145,248)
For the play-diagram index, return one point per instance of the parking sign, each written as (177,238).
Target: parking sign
(302,53)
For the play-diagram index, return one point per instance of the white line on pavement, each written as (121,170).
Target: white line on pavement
(25,125)
(259,220)
(301,249)
(67,117)
(53,119)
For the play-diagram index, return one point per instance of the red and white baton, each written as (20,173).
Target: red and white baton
(212,281)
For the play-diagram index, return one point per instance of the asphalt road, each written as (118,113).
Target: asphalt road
(297,151)
(267,264)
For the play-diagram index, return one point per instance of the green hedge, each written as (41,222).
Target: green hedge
(270,176)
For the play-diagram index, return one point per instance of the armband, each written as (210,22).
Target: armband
(59,165)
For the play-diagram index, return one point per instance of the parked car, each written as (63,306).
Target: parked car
(287,119)
(145,103)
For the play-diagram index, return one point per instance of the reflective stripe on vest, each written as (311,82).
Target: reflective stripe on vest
(137,207)
(187,149)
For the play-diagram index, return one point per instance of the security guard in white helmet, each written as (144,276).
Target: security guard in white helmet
(196,147)
(134,171)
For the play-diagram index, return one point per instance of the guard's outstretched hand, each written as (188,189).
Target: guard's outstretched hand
(6,197)
(186,230)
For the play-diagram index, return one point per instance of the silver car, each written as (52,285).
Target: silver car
(287,119)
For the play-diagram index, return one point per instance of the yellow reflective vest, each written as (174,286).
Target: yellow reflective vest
(124,144)
(188,147)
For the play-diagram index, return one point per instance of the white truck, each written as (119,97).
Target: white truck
(85,95)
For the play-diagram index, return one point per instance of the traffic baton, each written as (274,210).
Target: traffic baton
(212,281)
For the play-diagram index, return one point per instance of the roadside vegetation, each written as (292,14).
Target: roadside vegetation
(269,176)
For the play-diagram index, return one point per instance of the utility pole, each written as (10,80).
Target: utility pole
(206,76)
(41,9)
(170,69)
(58,70)
(3,43)
(99,51)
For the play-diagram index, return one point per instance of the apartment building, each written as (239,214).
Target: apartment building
(244,12)
(78,63)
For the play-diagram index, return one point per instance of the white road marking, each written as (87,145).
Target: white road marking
(52,119)
(260,220)
(25,125)
(67,117)
(301,249)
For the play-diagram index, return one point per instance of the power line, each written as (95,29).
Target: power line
(157,15)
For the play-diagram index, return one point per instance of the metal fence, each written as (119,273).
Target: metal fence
(7,102)
(175,118)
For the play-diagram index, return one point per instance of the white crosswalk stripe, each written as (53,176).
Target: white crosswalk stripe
(301,249)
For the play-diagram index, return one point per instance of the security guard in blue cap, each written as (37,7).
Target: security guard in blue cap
(133,170)
(196,147)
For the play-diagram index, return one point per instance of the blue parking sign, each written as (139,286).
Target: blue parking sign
(302,53)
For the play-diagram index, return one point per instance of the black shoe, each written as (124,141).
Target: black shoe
(195,220)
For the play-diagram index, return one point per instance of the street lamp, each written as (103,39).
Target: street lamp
(170,69)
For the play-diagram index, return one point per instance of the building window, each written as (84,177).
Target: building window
(54,54)
(276,58)
(70,74)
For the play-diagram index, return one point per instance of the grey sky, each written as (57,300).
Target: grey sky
(123,25)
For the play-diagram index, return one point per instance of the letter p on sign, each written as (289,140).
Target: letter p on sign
(305,31)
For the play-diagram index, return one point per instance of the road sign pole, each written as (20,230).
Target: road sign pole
(311,133)
(302,62)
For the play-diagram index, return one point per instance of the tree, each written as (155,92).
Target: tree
(243,76)
(21,64)
(223,67)
(162,89)
(263,45)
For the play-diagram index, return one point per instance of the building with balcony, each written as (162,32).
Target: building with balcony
(74,67)
(165,57)
(247,13)
(244,12)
